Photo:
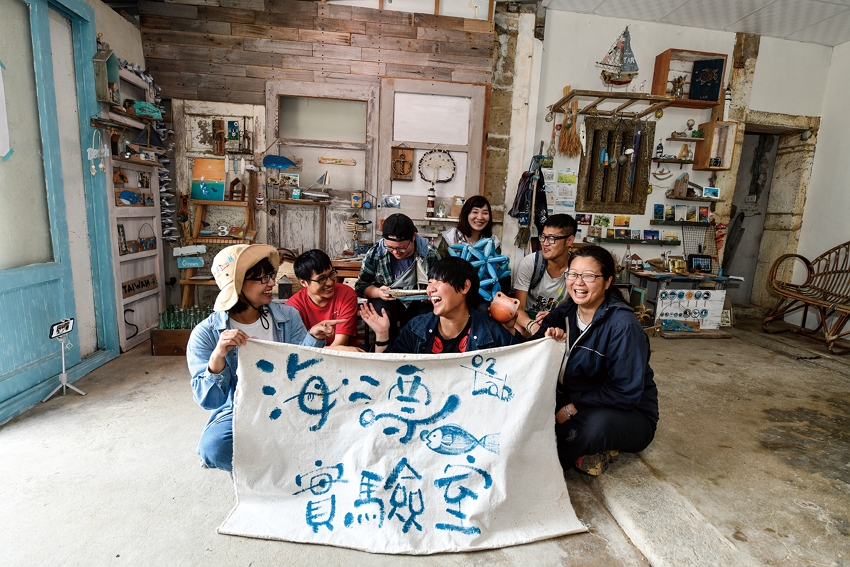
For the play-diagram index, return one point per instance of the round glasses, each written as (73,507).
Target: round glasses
(586,278)
(399,250)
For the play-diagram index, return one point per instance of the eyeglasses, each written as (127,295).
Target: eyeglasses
(264,279)
(586,278)
(549,239)
(322,280)
(399,250)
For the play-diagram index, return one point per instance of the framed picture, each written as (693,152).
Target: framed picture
(288,180)
(594,231)
(584,219)
(703,214)
(650,235)
(670,212)
(622,220)
(622,233)
(635,235)
(711,193)
(610,233)
(681,212)
(208,180)
(658,211)
(692,214)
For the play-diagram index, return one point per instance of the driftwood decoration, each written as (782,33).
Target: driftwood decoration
(402,163)
(614,188)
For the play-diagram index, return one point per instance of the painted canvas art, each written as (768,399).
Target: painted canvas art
(208,180)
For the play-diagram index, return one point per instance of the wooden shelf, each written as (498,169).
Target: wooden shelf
(626,99)
(301,202)
(721,136)
(636,241)
(137,162)
(672,160)
(219,240)
(685,139)
(138,255)
(669,195)
(680,62)
(222,203)
(678,223)
(210,281)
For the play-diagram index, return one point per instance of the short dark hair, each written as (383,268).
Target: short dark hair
(311,262)
(563,221)
(475,202)
(258,270)
(399,227)
(602,257)
(455,271)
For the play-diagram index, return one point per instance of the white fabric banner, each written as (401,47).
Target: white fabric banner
(410,454)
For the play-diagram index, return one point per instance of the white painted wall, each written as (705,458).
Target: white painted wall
(123,38)
(825,217)
(572,46)
(790,77)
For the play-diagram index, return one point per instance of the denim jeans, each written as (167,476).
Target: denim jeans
(593,430)
(216,445)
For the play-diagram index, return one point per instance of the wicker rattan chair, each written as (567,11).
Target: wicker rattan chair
(826,291)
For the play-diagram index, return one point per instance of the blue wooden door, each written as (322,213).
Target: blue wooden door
(36,283)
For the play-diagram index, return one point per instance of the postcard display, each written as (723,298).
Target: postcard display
(693,305)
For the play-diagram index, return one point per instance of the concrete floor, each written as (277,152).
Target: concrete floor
(750,466)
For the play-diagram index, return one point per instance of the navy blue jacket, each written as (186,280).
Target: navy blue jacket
(418,335)
(607,364)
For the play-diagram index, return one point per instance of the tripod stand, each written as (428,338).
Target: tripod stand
(63,378)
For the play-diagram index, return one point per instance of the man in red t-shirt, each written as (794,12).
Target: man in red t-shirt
(322,296)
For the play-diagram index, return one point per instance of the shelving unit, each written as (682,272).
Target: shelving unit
(189,278)
(137,314)
(680,62)
(636,241)
(672,160)
(146,305)
(669,195)
(720,137)
(684,139)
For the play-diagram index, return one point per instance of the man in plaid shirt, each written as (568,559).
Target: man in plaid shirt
(400,261)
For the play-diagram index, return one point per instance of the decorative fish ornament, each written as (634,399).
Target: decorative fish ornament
(452,439)
(582,136)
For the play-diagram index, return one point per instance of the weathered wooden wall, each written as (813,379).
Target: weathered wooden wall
(225,50)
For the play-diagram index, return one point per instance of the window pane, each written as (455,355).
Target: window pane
(24,224)
(322,119)
(437,119)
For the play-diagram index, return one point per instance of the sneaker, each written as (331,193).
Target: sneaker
(596,464)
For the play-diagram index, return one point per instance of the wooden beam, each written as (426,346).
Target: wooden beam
(436,7)
(492,10)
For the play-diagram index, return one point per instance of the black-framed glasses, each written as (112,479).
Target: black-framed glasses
(264,279)
(586,278)
(399,250)
(322,280)
(549,239)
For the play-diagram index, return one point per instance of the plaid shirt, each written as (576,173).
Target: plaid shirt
(377,268)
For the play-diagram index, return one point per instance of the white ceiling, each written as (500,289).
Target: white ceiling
(826,22)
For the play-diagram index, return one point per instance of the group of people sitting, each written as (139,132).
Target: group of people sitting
(606,399)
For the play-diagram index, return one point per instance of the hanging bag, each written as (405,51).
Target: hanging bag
(147,242)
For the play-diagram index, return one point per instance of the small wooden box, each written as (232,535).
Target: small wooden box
(169,342)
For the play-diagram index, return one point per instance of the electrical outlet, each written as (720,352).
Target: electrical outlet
(751,199)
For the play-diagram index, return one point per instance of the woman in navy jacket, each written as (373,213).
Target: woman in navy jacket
(606,399)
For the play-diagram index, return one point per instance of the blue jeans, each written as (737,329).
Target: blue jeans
(594,430)
(216,445)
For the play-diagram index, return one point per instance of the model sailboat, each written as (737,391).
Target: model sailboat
(619,66)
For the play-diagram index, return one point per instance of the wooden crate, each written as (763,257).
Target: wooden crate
(169,342)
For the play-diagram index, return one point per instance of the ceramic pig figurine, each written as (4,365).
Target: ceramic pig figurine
(503,308)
